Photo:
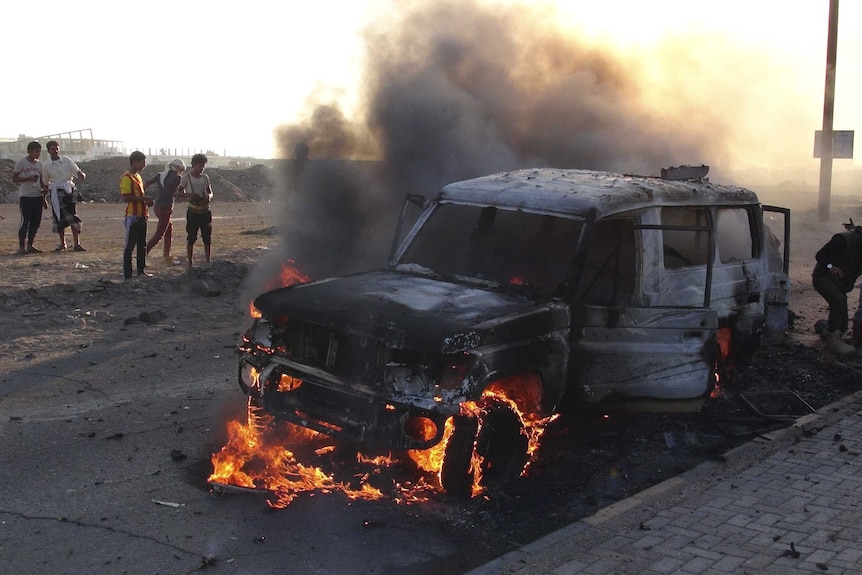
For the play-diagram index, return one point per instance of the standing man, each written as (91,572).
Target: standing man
(57,175)
(132,190)
(27,174)
(195,186)
(167,181)
(839,264)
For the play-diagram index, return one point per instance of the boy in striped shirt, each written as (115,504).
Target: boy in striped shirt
(132,190)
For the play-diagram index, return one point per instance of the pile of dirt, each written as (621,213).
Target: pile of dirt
(102,183)
(8,190)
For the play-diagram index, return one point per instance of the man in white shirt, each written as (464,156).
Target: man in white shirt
(57,175)
(27,174)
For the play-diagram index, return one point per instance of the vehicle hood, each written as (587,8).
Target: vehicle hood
(409,311)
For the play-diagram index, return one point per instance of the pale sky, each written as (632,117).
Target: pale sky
(224,75)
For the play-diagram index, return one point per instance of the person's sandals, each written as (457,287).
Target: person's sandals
(80,248)
(60,248)
(33,250)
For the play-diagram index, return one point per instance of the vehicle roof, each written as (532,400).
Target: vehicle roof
(586,192)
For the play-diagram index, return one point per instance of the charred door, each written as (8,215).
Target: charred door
(776,230)
(623,347)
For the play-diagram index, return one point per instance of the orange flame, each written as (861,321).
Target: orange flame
(724,363)
(261,454)
(257,456)
(522,394)
(288,276)
(253,311)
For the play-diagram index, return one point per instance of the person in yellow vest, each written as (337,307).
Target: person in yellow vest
(132,190)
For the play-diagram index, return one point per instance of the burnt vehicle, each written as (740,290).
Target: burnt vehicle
(522,294)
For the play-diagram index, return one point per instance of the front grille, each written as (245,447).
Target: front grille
(324,410)
(350,356)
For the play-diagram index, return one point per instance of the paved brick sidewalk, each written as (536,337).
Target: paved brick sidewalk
(784,504)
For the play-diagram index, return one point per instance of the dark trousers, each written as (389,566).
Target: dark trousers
(202,221)
(136,237)
(835,297)
(31,217)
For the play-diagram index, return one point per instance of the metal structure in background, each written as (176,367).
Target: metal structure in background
(828,111)
(77,144)
(81,146)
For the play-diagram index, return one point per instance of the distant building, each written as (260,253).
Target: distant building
(80,145)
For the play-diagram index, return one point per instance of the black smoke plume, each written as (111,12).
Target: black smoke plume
(454,90)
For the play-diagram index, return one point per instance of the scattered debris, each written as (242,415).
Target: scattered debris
(792,552)
(152,317)
(778,405)
(167,503)
(270,231)
(206,288)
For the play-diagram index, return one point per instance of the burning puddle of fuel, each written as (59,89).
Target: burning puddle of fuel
(285,461)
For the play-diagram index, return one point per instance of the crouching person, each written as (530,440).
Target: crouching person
(839,265)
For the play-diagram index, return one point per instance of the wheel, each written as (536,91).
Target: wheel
(456,476)
(501,443)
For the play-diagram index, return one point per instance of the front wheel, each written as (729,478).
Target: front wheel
(499,441)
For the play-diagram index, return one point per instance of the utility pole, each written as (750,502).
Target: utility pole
(828,111)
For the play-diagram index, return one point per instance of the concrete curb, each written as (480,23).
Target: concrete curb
(639,507)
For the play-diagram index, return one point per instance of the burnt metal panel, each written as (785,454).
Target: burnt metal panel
(666,353)
(406,311)
(584,192)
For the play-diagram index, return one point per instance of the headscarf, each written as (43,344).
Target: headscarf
(176,164)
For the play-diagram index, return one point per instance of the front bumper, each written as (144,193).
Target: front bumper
(328,405)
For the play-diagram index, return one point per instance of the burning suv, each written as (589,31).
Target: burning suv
(515,296)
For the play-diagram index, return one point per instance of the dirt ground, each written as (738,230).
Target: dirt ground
(64,306)
(61,308)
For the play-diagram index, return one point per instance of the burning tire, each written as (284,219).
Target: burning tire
(456,475)
(500,443)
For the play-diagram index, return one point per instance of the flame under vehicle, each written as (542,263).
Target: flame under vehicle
(524,294)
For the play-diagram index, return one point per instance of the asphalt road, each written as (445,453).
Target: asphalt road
(102,416)
(104,471)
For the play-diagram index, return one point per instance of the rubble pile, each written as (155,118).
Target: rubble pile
(103,176)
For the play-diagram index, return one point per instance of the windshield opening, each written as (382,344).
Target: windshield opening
(510,247)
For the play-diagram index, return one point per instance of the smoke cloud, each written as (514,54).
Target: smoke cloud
(453,90)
